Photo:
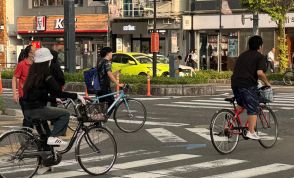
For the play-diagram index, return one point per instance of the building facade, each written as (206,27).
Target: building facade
(41,23)
(3,33)
(235,34)
(132,26)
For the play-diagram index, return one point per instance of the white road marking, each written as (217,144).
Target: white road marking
(190,106)
(164,135)
(187,168)
(203,132)
(128,165)
(169,124)
(257,171)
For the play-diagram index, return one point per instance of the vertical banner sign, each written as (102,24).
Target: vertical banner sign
(36,44)
(174,42)
(154,42)
(119,45)
(40,23)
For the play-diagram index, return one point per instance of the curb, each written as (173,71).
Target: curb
(11,114)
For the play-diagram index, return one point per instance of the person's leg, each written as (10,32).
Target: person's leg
(272,66)
(26,121)
(58,115)
(252,123)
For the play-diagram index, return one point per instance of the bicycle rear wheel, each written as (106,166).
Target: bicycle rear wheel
(288,78)
(267,127)
(130,115)
(96,150)
(223,134)
(13,162)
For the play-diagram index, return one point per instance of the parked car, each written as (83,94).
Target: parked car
(137,64)
(184,70)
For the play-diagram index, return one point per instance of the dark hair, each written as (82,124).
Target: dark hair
(104,51)
(255,42)
(180,57)
(55,55)
(37,74)
(27,51)
(21,56)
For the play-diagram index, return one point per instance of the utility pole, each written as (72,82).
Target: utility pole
(69,36)
(108,25)
(154,31)
(255,23)
(219,63)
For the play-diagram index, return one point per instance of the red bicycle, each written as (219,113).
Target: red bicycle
(226,127)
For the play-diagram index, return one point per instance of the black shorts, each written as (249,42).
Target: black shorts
(247,98)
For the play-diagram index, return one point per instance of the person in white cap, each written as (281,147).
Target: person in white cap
(36,89)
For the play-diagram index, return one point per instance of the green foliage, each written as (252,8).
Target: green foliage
(7,74)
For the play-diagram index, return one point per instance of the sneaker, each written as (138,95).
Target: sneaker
(252,136)
(43,169)
(55,141)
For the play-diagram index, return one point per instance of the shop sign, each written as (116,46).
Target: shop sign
(187,22)
(129,28)
(36,44)
(154,42)
(119,45)
(41,23)
(59,23)
(174,42)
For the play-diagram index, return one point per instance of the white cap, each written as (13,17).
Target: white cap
(43,55)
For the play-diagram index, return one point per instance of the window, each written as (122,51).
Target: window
(116,58)
(44,3)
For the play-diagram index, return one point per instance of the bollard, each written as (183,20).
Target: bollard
(1,89)
(148,85)
(86,93)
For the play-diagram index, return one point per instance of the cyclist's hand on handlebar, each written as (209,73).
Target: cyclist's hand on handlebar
(121,85)
(81,98)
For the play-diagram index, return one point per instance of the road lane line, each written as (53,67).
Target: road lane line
(203,104)
(169,124)
(187,168)
(191,106)
(164,136)
(257,171)
(203,132)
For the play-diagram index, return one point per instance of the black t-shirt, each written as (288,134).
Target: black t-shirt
(245,71)
(103,67)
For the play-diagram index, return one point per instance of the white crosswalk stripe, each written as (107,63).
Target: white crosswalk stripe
(282,101)
(164,135)
(191,164)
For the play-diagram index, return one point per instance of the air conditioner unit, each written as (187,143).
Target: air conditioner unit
(1,27)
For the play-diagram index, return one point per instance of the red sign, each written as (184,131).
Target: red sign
(36,44)
(154,42)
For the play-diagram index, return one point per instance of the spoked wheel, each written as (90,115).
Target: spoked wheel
(222,133)
(267,127)
(288,78)
(14,146)
(130,115)
(96,150)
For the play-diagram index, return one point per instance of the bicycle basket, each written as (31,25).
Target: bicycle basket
(267,95)
(93,112)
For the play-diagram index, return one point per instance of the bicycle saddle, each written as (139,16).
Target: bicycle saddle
(231,100)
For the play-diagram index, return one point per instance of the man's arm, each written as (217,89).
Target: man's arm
(113,79)
(261,75)
(15,94)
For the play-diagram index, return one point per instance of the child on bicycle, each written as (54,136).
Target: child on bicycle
(250,67)
(104,69)
(38,86)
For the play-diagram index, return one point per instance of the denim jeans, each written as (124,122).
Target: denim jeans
(26,122)
(247,98)
(59,116)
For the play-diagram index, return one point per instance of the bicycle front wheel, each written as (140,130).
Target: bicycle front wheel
(14,146)
(130,115)
(288,78)
(96,150)
(223,133)
(267,127)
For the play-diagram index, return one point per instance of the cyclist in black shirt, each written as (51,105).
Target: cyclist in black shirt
(250,67)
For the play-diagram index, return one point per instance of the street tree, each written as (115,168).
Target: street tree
(277,10)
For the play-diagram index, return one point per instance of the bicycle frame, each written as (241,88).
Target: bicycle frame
(121,96)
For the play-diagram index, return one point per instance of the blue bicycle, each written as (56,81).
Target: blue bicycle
(129,114)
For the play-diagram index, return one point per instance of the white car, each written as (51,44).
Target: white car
(184,70)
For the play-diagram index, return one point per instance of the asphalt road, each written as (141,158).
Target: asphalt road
(175,142)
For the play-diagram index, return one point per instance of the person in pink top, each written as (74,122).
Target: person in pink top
(20,75)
